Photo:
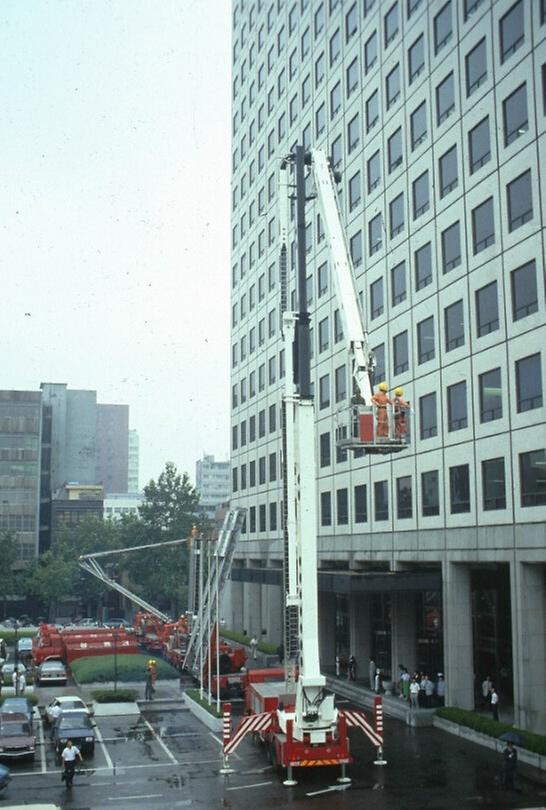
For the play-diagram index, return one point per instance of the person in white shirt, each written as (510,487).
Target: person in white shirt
(68,757)
(414,694)
(21,683)
(14,680)
(494,703)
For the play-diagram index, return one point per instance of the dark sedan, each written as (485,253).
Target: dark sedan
(4,777)
(18,705)
(75,726)
(16,737)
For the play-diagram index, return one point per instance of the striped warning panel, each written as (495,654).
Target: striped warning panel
(356,719)
(310,763)
(254,722)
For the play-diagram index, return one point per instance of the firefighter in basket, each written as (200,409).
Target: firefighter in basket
(381,400)
(401,408)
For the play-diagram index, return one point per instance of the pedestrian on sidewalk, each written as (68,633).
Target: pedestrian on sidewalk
(494,703)
(351,670)
(414,694)
(149,687)
(21,683)
(405,685)
(429,692)
(378,682)
(372,669)
(441,689)
(486,691)
(15,679)
(253,646)
(510,755)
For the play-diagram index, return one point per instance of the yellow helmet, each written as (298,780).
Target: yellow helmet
(383,387)
(399,391)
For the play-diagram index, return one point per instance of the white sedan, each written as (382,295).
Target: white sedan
(61,704)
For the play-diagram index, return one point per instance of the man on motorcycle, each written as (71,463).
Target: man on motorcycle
(68,757)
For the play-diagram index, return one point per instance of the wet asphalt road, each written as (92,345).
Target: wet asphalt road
(170,760)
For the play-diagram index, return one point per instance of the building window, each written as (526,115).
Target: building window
(512,32)
(234,476)
(430,494)
(423,266)
(338,327)
(360,504)
(421,199)
(404,508)
(252,519)
(322,279)
(391,24)
(335,47)
(476,67)
(398,283)
(394,146)
(451,247)
(493,484)
(376,298)
(372,111)
(352,75)
(487,309)
(425,340)
(416,58)
(351,22)
(355,191)
(272,418)
(320,69)
(490,395)
(379,354)
(324,391)
(355,247)
(375,234)
(396,211)
(342,507)
(320,119)
(524,291)
(532,478)
(261,470)
(272,370)
(483,226)
(459,489)
(470,7)
(324,335)
(374,171)
(381,500)
(418,123)
(325,509)
(370,52)
(340,379)
(427,416)
(272,466)
(445,99)
(456,407)
(400,352)
(243,476)
(515,115)
(335,100)
(448,171)
(520,201)
(324,450)
(393,86)
(272,516)
(479,145)
(454,326)
(529,383)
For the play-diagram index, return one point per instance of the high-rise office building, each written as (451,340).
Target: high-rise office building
(133,462)
(434,112)
(212,482)
(20,429)
(113,447)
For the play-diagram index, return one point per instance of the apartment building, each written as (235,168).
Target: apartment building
(434,113)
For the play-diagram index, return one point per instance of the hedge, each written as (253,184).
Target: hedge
(24,632)
(203,701)
(493,728)
(114,695)
(130,669)
(241,638)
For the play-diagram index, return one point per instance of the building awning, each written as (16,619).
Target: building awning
(350,582)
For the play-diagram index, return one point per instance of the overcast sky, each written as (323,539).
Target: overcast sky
(114,212)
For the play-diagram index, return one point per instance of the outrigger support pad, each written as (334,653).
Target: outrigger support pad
(289,781)
(343,779)
(380,760)
(225,769)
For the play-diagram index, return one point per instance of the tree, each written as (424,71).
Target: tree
(170,504)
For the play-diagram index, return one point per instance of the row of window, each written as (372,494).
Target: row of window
(266,420)
(257,474)
(532,492)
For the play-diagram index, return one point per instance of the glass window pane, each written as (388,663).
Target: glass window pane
(451,247)
(529,383)
(445,98)
(459,489)
(512,30)
(490,395)
(454,326)
(479,145)
(487,309)
(443,27)
(396,212)
(416,58)
(448,171)
(360,504)
(404,506)
(515,115)
(483,226)
(425,340)
(456,406)
(421,199)
(520,201)
(381,500)
(418,123)
(493,484)
(400,352)
(430,494)
(532,478)
(398,283)
(524,291)
(395,150)
(427,416)
(423,266)
(476,67)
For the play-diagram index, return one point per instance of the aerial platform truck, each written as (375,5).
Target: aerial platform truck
(297,718)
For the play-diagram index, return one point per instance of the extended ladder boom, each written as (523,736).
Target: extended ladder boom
(90,564)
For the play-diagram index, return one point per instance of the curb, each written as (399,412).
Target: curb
(213,723)
(468,734)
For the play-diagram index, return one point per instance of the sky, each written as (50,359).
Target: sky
(114,212)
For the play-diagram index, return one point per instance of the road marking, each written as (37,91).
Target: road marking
(143,796)
(120,768)
(330,789)
(246,787)
(103,747)
(42,747)
(161,743)
(219,740)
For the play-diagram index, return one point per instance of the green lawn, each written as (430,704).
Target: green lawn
(130,669)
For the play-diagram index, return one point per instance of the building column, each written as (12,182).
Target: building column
(403,632)
(233,606)
(327,628)
(458,649)
(272,614)
(528,587)
(361,637)
(252,613)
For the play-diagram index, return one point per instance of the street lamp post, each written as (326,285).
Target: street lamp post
(16,659)
(115,640)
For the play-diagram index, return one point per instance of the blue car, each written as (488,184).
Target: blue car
(4,777)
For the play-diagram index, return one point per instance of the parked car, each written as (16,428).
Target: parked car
(117,623)
(18,705)
(24,649)
(88,623)
(7,671)
(4,777)
(16,737)
(51,671)
(65,703)
(76,726)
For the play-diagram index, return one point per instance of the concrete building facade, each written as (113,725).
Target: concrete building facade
(113,448)
(20,433)
(122,503)
(133,471)
(213,484)
(435,114)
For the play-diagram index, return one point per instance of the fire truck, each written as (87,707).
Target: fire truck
(296,717)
